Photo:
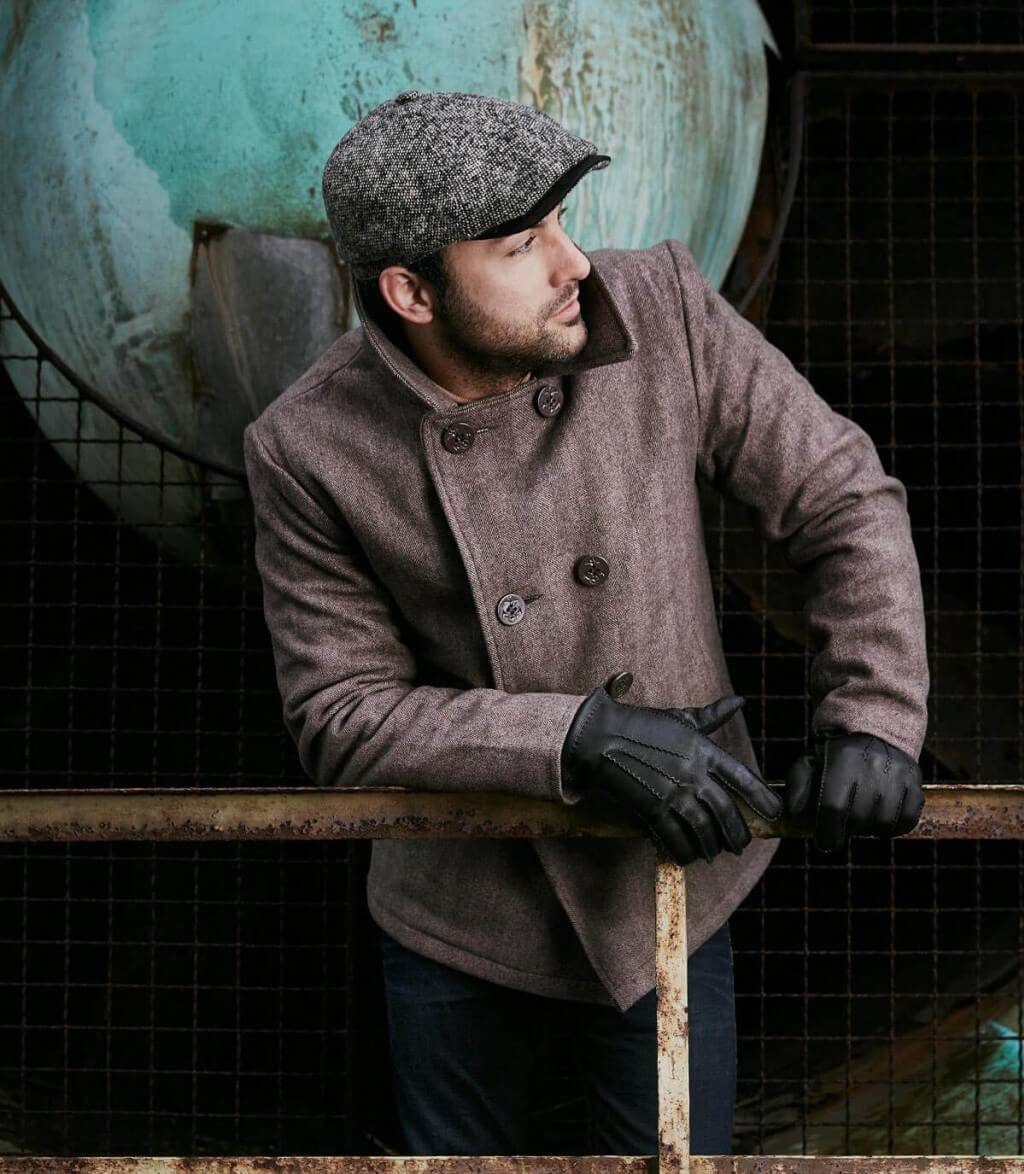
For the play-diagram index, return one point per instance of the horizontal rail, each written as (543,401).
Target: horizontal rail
(765,1164)
(300,813)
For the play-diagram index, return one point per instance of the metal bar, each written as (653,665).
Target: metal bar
(673,1024)
(344,1165)
(699,1164)
(888,1164)
(191,814)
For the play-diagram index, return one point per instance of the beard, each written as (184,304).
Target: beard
(499,347)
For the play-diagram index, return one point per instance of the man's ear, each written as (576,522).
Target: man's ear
(408,294)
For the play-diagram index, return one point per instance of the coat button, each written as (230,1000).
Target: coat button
(511,608)
(458,437)
(618,684)
(591,570)
(548,401)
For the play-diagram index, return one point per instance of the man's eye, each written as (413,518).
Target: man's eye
(525,246)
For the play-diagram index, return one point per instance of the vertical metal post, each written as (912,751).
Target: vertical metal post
(673,1022)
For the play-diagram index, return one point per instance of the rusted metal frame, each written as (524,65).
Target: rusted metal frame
(189,814)
(345,1165)
(301,813)
(765,1164)
(670,965)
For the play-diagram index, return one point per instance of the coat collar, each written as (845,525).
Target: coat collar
(609,341)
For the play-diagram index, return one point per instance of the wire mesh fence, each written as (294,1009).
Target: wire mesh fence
(224,998)
(923,22)
(879,995)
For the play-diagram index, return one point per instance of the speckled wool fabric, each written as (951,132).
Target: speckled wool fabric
(427,168)
(383,556)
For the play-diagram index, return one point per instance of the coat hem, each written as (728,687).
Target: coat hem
(448,954)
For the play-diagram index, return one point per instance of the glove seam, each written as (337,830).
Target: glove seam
(663,750)
(662,799)
(663,810)
(899,812)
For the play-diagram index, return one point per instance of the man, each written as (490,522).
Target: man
(478,528)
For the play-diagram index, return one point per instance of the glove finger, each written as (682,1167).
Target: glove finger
(741,780)
(717,713)
(667,832)
(887,811)
(863,817)
(732,827)
(698,823)
(836,797)
(800,785)
(908,817)
(690,715)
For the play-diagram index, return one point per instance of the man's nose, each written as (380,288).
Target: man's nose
(572,264)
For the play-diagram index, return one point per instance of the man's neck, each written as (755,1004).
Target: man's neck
(461,382)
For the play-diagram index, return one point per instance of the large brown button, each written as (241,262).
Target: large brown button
(618,684)
(591,570)
(548,401)
(511,608)
(458,437)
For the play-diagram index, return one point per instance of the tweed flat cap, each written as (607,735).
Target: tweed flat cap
(425,169)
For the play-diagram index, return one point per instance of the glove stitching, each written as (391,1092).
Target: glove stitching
(686,788)
(651,746)
(662,799)
(899,812)
(681,754)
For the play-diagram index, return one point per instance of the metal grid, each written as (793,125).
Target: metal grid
(185,999)
(121,661)
(879,995)
(176,998)
(924,22)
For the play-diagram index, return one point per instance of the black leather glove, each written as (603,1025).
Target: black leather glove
(659,765)
(853,785)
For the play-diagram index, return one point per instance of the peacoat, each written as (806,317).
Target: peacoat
(394,521)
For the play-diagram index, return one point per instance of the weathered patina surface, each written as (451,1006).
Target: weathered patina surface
(950,813)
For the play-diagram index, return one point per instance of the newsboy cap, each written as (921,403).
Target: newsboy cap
(425,169)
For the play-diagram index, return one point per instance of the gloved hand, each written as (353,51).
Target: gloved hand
(853,785)
(660,766)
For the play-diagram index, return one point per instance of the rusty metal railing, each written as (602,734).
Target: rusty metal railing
(951,812)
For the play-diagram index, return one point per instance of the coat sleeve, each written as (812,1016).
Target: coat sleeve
(348,682)
(812,481)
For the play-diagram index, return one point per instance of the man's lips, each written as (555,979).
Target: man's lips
(573,304)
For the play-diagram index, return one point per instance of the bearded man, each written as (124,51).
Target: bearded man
(478,528)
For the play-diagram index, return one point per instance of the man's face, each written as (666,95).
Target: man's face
(500,311)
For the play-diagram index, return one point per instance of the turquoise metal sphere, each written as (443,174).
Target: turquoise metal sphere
(135,132)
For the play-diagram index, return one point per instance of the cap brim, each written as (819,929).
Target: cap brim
(550,198)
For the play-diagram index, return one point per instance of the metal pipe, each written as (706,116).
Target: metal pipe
(299,813)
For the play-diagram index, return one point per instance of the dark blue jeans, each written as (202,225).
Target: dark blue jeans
(466,1054)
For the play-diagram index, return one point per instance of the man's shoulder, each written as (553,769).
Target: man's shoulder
(296,406)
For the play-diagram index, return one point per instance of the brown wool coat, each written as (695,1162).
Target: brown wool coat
(383,556)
